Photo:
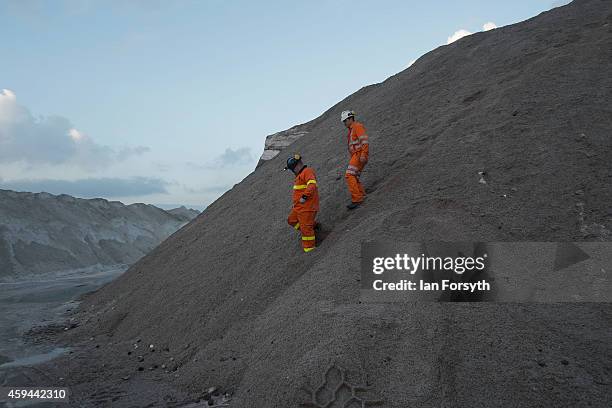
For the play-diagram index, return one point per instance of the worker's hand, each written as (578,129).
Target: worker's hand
(302,200)
(363,159)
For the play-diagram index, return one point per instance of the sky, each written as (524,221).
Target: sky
(169,102)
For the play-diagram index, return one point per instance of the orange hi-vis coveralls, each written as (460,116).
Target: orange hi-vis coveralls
(358,148)
(303,215)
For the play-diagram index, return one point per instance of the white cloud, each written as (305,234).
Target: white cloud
(75,135)
(9,94)
(8,107)
(457,35)
(50,140)
(489,26)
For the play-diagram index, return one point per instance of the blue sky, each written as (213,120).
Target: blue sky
(169,102)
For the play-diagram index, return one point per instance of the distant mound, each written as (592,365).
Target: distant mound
(235,303)
(184,213)
(43,233)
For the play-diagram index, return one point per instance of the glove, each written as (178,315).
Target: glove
(302,199)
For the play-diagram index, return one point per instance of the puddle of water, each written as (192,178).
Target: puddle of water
(27,304)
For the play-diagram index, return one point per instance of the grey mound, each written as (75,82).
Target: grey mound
(238,306)
(46,234)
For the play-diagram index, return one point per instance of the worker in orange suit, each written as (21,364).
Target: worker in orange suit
(358,147)
(305,201)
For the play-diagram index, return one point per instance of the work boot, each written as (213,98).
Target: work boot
(353,205)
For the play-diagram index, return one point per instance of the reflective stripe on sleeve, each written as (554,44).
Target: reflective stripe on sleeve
(297,226)
(299,187)
(313,181)
(308,238)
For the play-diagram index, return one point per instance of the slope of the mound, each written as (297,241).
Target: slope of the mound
(237,304)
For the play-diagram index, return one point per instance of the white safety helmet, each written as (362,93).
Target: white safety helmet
(346,114)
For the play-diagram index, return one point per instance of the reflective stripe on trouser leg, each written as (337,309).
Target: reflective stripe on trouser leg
(307,222)
(354,170)
(352,179)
